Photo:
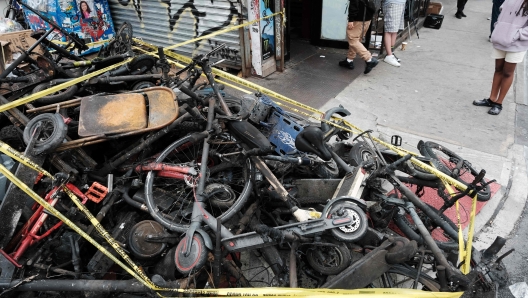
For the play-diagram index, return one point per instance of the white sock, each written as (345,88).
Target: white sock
(390,55)
(348,60)
(369,60)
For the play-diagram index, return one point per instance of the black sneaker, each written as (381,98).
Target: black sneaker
(486,102)
(458,15)
(345,63)
(370,65)
(495,109)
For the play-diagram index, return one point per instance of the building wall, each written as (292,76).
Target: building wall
(168,22)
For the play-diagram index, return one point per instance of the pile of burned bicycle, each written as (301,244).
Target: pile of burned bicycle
(206,190)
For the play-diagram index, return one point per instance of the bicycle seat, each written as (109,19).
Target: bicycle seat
(311,140)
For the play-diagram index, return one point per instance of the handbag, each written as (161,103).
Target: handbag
(433,21)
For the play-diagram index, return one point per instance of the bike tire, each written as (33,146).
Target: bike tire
(447,162)
(407,228)
(403,276)
(187,149)
(59,96)
(53,132)
(359,153)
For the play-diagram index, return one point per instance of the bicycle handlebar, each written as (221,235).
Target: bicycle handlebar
(294,160)
(392,167)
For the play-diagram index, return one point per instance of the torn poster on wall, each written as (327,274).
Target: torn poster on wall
(89,19)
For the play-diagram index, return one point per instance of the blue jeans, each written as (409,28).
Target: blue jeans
(495,13)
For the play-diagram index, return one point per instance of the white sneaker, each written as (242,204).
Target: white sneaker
(391,60)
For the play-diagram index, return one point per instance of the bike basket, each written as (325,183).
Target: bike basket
(283,133)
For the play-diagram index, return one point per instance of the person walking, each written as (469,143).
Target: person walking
(510,42)
(360,14)
(394,11)
(460,9)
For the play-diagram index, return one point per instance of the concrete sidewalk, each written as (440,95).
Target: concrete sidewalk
(430,97)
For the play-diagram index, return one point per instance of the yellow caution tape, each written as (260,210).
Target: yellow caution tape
(88,44)
(466,267)
(57,88)
(231,28)
(7,150)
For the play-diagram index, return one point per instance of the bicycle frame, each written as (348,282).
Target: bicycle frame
(29,231)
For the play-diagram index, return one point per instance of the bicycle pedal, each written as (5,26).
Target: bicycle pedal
(96,193)
(396,140)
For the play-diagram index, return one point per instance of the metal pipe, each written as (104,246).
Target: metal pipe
(205,152)
(62,104)
(411,196)
(293,265)
(217,253)
(439,255)
(80,285)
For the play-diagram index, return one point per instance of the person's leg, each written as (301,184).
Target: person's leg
(387,40)
(351,37)
(497,79)
(351,54)
(393,38)
(508,71)
(460,8)
(355,40)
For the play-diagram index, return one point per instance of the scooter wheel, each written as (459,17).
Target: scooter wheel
(142,85)
(196,258)
(356,229)
(328,260)
(53,132)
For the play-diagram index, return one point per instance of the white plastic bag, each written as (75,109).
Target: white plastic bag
(519,290)
(8,25)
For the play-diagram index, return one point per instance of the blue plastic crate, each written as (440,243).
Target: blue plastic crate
(284,130)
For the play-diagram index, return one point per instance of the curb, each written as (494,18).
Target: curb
(507,214)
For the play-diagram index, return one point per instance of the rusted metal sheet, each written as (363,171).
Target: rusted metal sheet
(127,112)
(111,114)
(168,22)
(162,108)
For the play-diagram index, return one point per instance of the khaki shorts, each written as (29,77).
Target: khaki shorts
(511,57)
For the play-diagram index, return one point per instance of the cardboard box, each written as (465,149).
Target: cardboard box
(434,8)
(12,42)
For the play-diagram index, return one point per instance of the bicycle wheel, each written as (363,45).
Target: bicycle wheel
(59,96)
(227,188)
(442,239)
(448,161)
(404,276)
